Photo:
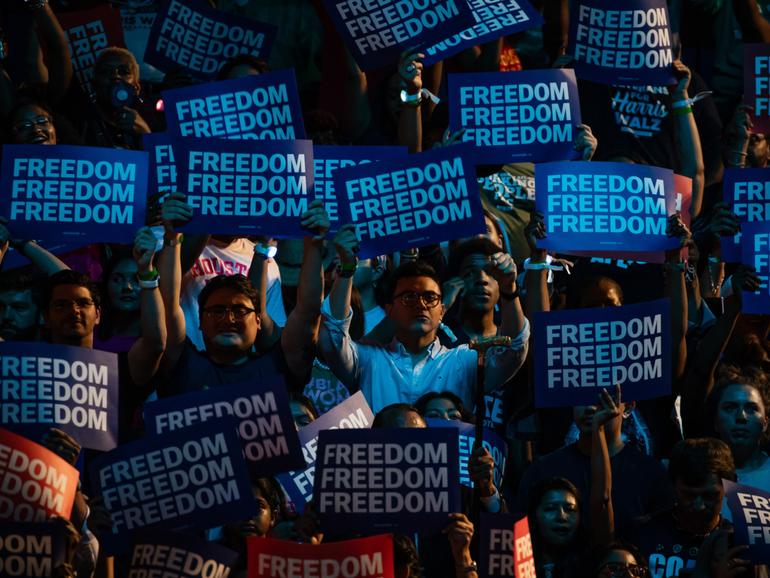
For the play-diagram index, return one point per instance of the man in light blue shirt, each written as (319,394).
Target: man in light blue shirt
(415,363)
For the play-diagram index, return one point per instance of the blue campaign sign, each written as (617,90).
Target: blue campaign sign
(495,533)
(750,508)
(378,32)
(162,168)
(628,44)
(33,549)
(493,19)
(70,388)
(265,424)
(246,188)
(613,207)
(527,116)
(747,191)
(256,107)
(492,442)
(191,36)
(353,413)
(164,553)
(74,193)
(421,200)
(582,351)
(755,244)
(195,476)
(386,479)
(327,159)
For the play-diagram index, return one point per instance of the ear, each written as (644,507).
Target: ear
(388,307)
(98,316)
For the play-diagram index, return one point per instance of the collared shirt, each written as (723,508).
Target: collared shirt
(386,375)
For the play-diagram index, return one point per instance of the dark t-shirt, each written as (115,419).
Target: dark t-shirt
(640,484)
(668,548)
(195,371)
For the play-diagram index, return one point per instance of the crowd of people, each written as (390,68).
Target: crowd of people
(614,489)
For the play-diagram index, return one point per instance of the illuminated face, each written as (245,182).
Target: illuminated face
(759,152)
(410,310)
(18,315)
(122,287)
(558,517)
(697,506)
(442,408)
(481,289)
(111,70)
(229,322)
(741,416)
(621,564)
(603,294)
(301,414)
(72,314)
(32,125)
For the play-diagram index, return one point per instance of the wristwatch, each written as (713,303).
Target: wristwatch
(265,251)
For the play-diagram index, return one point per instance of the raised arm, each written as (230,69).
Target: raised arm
(47,262)
(600,507)
(678,293)
(146,352)
(300,335)
(269,332)
(410,115)
(57,51)
(175,211)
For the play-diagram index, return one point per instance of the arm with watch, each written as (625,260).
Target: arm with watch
(146,353)
(269,331)
(410,98)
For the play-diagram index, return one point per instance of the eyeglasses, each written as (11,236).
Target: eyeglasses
(618,569)
(63,304)
(412,299)
(219,312)
(30,124)
(121,69)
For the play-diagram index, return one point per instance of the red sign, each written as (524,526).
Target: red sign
(371,557)
(523,558)
(88,33)
(35,483)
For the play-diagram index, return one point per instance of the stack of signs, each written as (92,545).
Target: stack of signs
(527,116)
(265,426)
(198,39)
(35,483)
(628,44)
(172,555)
(748,192)
(585,350)
(377,479)
(74,193)
(32,549)
(495,533)
(70,388)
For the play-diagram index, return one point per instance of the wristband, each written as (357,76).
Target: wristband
(682,111)
(347,270)
(152,284)
(265,251)
(173,242)
(151,275)
(472,567)
(417,99)
(509,296)
(688,102)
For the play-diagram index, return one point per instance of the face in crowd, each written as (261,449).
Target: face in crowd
(72,314)
(32,124)
(416,307)
(123,289)
(229,322)
(741,418)
(442,408)
(19,315)
(481,289)
(558,517)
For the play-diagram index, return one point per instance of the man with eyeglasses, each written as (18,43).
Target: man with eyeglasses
(415,362)
(229,318)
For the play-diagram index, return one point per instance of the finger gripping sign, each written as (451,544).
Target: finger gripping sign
(327,159)
(74,193)
(261,107)
(494,18)
(370,480)
(523,556)
(353,413)
(35,483)
(160,553)
(199,39)
(370,557)
(424,199)
(194,476)
(89,32)
(246,188)
(265,425)
(756,91)
(377,31)
(747,191)
(31,549)
(582,351)
(755,242)
(595,206)
(495,533)
(750,508)
(493,443)
(628,46)
(70,388)
(527,116)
